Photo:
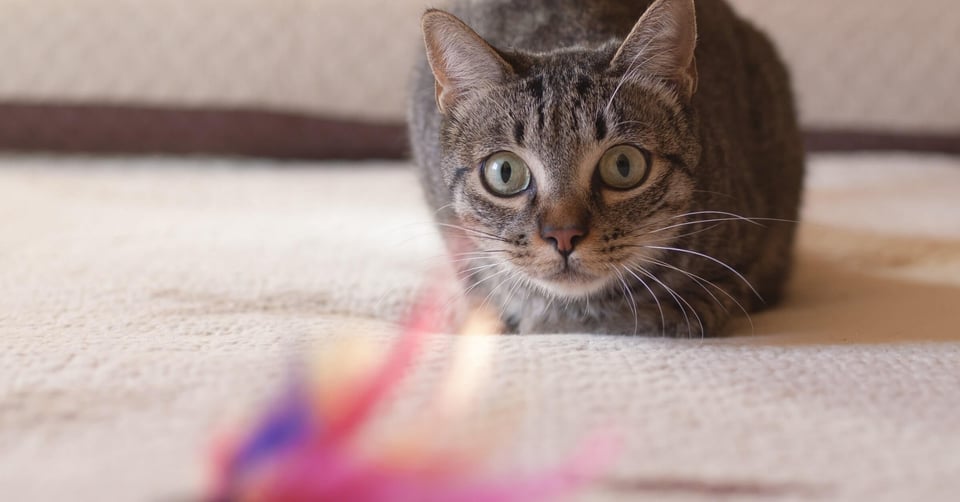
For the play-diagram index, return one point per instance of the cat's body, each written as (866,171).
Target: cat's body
(637,164)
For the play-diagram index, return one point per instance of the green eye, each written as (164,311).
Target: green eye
(505,174)
(624,167)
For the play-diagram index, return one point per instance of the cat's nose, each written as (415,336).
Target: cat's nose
(564,239)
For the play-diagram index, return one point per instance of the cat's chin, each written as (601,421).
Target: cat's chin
(572,286)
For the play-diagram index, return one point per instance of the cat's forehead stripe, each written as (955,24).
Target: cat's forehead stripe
(584,84)
(519,131)
(601,125)
(535,87)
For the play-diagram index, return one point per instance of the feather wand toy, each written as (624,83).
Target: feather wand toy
(301,450)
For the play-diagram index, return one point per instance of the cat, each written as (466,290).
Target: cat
(609,166)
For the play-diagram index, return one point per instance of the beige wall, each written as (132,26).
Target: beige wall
(885,64)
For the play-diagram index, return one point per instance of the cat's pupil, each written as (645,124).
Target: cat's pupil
(506,172)
(623,165)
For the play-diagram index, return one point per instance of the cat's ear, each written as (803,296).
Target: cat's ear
(462,62)
(662,46)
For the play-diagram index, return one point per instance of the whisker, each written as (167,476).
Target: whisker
(466,255)
(497,288)
(479,253)
(663,319)
(518,282)
(552,297)
(632,301)
(674,237)
(442,208)
(696,279)
(698,222)
(461,257)
(477,237)
(465,292)
(678,296)
(464,260)
(481,281)
(713,217)
(708,257)
(478,268)
(749,219)
(653,223)
(700,279)
(472,231)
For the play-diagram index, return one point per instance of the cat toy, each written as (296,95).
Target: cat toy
(303,449)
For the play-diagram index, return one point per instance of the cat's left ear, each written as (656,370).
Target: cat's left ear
(462,61)
(662,46)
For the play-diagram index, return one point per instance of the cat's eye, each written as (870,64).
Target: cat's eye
(624,167)
(505,174)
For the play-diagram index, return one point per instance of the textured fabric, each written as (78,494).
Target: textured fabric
(879,64)
(144,303)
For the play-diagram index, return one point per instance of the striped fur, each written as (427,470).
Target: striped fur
(706,237)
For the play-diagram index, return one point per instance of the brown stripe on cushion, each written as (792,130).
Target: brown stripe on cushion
(126,129)
(149,130)
(824,140)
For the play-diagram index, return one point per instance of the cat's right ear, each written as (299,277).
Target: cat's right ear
(462,62)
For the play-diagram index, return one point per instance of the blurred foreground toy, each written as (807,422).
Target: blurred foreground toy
(303,449)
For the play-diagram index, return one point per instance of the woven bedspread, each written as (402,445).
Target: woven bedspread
(144,303)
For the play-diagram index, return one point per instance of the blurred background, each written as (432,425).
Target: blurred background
(327,78)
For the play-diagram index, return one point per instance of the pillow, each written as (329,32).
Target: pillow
(327,78)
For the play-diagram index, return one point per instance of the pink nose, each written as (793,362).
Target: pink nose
(563,239)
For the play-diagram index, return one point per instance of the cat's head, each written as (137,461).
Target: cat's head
(564,165)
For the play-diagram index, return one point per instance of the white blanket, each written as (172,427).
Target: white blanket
(144,303)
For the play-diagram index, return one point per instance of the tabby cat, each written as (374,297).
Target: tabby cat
(593,173)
